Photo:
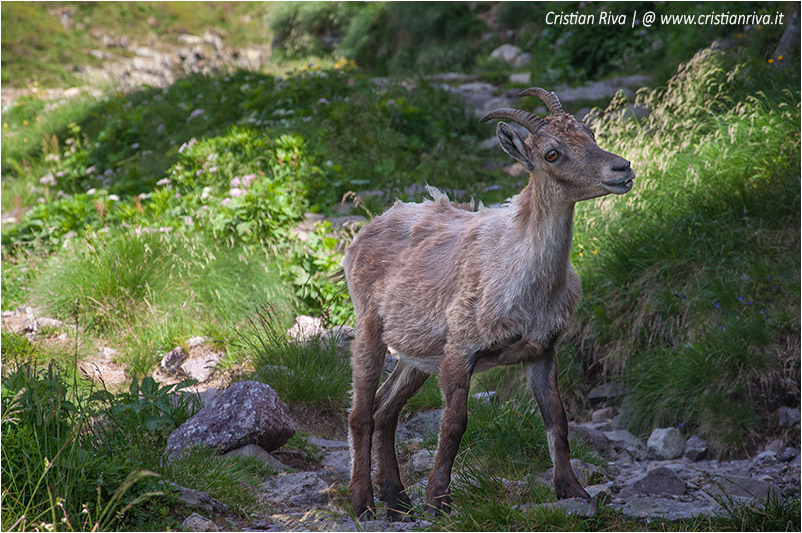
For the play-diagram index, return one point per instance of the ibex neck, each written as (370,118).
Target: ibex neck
(544,219)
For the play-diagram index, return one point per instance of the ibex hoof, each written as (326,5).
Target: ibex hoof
(569,488)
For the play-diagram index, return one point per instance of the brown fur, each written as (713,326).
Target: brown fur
(458,291)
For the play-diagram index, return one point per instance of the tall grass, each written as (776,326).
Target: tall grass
(155,290)
(690,279)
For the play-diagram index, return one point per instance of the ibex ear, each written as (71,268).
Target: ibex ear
(512,143)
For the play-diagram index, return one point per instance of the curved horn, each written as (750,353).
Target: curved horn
(550,99)
(524,118)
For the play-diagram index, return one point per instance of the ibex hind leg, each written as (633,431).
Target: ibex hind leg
(542,377)
(394,393)
(367,359)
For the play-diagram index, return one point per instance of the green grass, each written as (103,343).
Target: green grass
(314,373)
(154,291)
(691,274)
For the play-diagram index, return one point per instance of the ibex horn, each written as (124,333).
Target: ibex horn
(550,99)
(524,118)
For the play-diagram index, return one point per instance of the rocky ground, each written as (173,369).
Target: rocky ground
(667,477)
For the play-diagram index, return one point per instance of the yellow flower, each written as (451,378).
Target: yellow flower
(24,122)
(43,92)
(771,60)
(740,35)
(580,254)
(595,252)
(24,139)
(36,84)
(760,26)
(779,58)
(5,125)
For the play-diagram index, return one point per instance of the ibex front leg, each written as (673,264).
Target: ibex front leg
(455,382)
(541,373)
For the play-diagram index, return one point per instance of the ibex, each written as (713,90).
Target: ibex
(457,291)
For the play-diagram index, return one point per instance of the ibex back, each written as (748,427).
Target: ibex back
(457,291)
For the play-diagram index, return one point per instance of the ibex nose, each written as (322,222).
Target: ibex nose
(622,166)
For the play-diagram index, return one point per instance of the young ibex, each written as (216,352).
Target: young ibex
(458,291)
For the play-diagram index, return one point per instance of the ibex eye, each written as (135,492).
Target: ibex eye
(551,156)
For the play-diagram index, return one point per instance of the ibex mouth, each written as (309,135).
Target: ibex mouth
(619,186)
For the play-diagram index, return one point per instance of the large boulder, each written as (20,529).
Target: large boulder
(666,443)
(248,412)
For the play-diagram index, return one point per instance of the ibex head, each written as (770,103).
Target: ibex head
(563,149)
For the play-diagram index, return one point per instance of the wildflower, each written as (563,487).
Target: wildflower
(740,298)
(135,146)
(247,179)
(771,60)
(323,101)
(24,122)
(236,192)
(740,35)
(187,145)
(69,141)
(195,114)
(163,181)
(90,169)
(36,84)
(212,169)
(109,172)
(779,58)
(207,191)
(235,182)
(114,198)
(5,125)
(91,191)
(189,221)
(595,251)
(580,254)
(40,200)
(60,174)
(225,201)
(24,139)
(307,119)
(48,179)
(716,305)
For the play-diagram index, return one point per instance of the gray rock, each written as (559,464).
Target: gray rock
(489,144)
(621,439)
(695,448)
(301,488)
(328,444)
(486,397)
(666,443)
(252,450)
(248,412)
(196,499)
(420,425)
(743,487)
(789,454)
(600,494)
(171,361)
(788,416)
(600,415)
(658,481)
(775,446)
(422,461)
(524,78)
(667,509)
(594,437)
(197,341)
(765,458)
(196,522)
(338,463)
(201,362)
(521,60)
(306,327)
(506,53)
(606,390)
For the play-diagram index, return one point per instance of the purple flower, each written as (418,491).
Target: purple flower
(716,305)
(60,174)
(187,145)
(225,201)
(212,169)
(235,182)
(90,170)
(247,179)
(195,114)
(135,146)
(163,181)
(47,179)
(236,192)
